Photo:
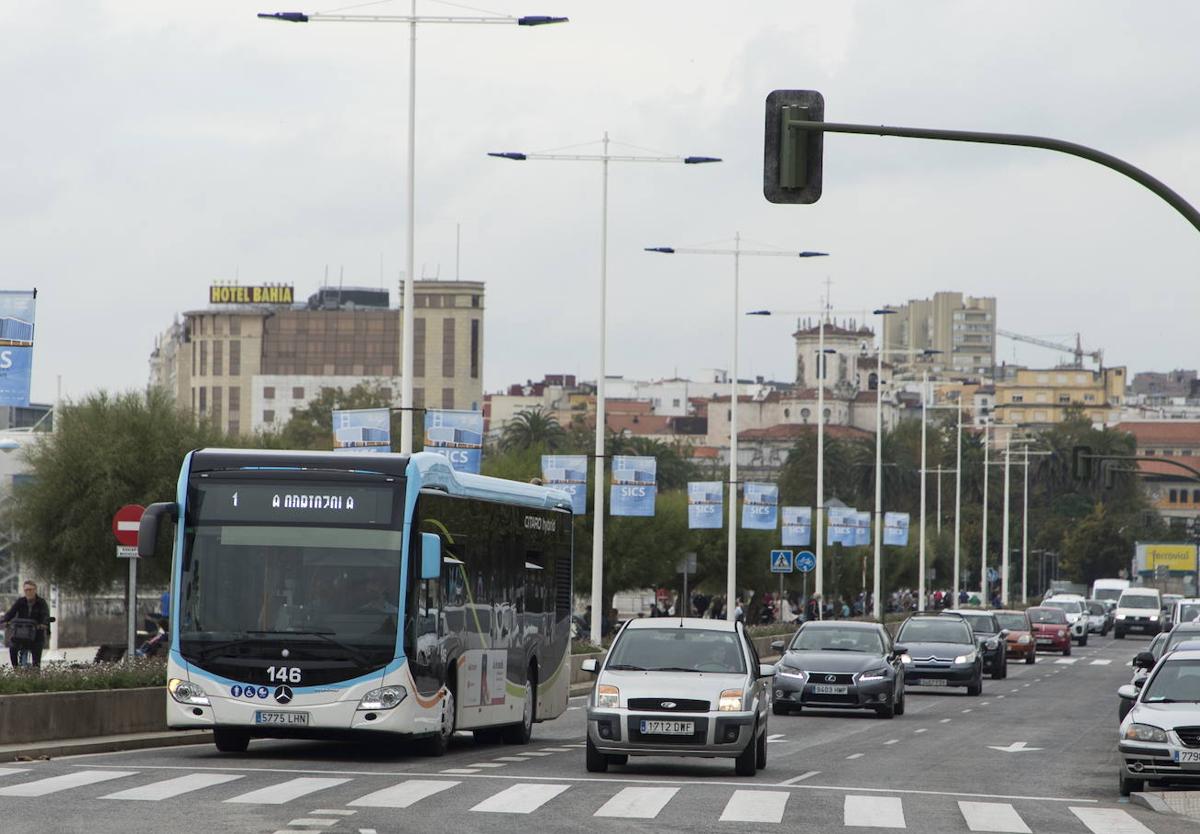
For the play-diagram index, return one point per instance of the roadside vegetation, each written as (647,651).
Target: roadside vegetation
(81,677)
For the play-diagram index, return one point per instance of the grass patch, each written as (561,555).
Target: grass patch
(78,677)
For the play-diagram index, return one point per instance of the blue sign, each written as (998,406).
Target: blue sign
(862,529)
(805,561)
(456,434)
(362,430)
(781,561)
(760,507)
(705,502)
(992,575)
(797,526)
(16,346)
(895,529)
(634,485)
(568,473)
(841,525)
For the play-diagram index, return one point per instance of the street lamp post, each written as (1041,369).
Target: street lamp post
(983,581)
(406,330)
(738,253)
(1004,533)
(877,587)
(604,158)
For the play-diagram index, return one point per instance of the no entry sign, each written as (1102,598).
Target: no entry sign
(125,524)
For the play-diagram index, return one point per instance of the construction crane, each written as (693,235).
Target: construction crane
(1077,351)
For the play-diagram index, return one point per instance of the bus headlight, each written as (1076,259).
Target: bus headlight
(385,698)
(186,692)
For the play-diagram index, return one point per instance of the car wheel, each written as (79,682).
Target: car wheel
(1119,635)
(760,751)
(746,764)
(521,733)
(976,688)
(1031,658)
(998,672)
(886,711)
(780,709)
(1067,650)
(620,759)
(1123,709)
(900,703)
(1129,786)
(231,741)
(1083,640)
(597,762)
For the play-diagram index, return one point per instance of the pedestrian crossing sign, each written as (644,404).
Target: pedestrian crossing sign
(781,561)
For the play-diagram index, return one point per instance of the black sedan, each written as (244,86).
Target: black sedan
(992,640)
(940,650)
(839,665)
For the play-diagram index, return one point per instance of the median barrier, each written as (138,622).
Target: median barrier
(52,716)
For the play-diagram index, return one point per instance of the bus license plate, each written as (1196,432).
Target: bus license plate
(285,719)
(667,728)
(826,689)
(931,682)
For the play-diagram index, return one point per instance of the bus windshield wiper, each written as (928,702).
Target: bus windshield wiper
(322,635)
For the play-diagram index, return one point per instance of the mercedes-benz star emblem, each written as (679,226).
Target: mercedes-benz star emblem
(667,705)
(828,679)
(283,694)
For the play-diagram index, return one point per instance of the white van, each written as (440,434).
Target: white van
(1139,609)
(1108,589)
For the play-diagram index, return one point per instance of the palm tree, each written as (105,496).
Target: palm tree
(532,427)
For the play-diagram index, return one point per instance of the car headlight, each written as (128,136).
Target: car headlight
(608,697)
(1146,732)
(969,657)
(1062,632)
(384,698)
(906,659)
(1153,617)
(1120,616)
(789,672)
(186,692)
(992,644)
(872,675)
(731,701)
(1024,639)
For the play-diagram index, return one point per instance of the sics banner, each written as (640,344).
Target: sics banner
(568,473)
(760,507)
(456,434)
(797,526)
(16,345)
(840,525)
(362,430)
(705,502)
(634,485)
(862,529)
(895,529)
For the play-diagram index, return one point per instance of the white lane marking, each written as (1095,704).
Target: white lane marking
(572,709)
(403,794)
(1066,661)
(286,791)
(574,745)
(799,778)
(968,709)
(11,771)
(944,721)
(1104,662)
(891,741)
(366,831)
(922,730)
(985,703)
(1015,691)
(999,696)
(461,771)
(312,822)
(775,737)
(174,787)
(637,803)
(53,784)
(520,799)
(855,756)
(486,764)
(755,806)
(873,811)
(556,749)
(534,753)
(511,759)
(328,813)
(1109,821)
(993,816)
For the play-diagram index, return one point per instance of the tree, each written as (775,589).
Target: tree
(533,427)
(107,451)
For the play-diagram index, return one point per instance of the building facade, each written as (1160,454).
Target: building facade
(962,328)
(1039,397)
(1171,488)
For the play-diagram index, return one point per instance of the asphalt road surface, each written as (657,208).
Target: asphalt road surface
(936,769)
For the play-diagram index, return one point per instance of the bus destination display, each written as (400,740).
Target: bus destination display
(295,501)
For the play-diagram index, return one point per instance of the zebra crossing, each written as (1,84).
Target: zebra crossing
(769,804)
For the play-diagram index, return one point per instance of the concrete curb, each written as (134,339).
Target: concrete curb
(1184,804)
(1152,801)
(102,744)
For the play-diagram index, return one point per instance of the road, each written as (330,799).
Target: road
(934,770)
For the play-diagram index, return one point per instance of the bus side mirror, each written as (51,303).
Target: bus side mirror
(431,556)
(148,526)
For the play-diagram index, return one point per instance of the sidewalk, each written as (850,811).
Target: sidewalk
(82,654)
(1183,803)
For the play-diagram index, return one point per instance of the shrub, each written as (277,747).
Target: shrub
(78,677)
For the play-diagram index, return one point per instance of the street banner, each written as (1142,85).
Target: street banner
(568,473)
(895,529)
(840,529)
(633,485)
(862,529)
(760,506)
(456,434)
(362,430)
(797,526)
(705,505)
(16,345)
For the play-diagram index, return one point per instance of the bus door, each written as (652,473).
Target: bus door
(424,641)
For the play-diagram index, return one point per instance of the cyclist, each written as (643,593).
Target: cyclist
(30,618)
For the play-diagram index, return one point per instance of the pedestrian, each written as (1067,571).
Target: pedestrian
(739,612)
(30,618)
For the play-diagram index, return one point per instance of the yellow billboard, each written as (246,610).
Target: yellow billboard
(263,294)
(1175,557)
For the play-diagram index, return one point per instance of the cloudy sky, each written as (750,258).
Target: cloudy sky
(149,148)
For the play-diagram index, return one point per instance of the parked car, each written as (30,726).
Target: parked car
(941,650)
(1138,609)
(991,638)
(1020,639)
(834,664)
(1142,663)
(1160,735)
(679,687)
(1185,610)
(1051,631)
(1072,606)
(1168,609)
(1098,617)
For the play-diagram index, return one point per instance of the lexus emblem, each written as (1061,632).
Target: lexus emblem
(283,694)
(828,679)
(667,705)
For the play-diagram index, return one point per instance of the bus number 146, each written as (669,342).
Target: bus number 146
(283,674)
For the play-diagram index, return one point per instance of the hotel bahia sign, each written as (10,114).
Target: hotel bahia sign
(262,294)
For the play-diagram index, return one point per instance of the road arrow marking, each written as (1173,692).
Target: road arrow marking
(1015,747)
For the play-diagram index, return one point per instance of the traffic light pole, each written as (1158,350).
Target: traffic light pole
(1136,174)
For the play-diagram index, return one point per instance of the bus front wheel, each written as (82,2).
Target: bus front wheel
(231,741)
(523,732)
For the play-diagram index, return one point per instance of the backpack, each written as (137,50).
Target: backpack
(24,630)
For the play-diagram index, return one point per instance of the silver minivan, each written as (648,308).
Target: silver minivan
(679,687)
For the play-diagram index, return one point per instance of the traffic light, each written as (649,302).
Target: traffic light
(1081,463)
(792,155)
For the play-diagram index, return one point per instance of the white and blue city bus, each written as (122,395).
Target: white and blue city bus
(323,595)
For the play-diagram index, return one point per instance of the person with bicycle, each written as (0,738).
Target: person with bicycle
(29,620)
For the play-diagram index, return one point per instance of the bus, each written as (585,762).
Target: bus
(331,595)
